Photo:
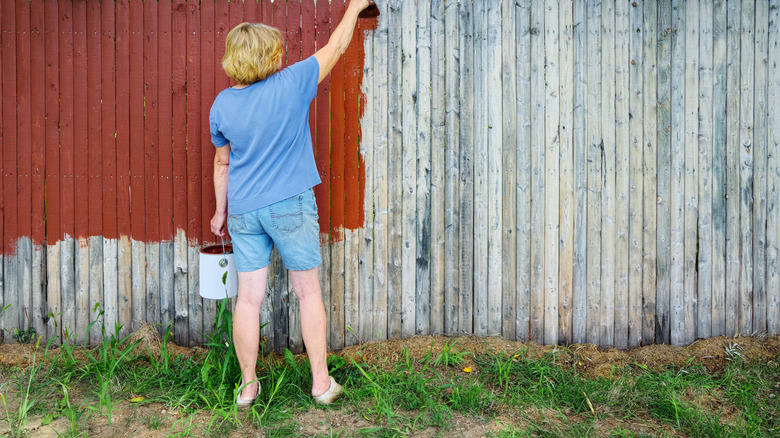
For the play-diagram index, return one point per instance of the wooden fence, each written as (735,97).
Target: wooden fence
(562,171)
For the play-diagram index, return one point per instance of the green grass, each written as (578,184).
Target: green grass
(518,395)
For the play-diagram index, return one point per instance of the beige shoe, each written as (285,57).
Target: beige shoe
(243,403)
(330,395)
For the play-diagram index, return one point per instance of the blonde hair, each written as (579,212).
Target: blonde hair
(253,51)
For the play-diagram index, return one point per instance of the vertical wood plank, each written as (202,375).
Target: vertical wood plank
(337,191)
(509,175)
(663,212)
(422,182)
(451,169)
(466,279)
(733,92)
(481,168)
(438,159)
(746,160)
(81,172)
(773,172)
(194,128)
(650,165)
(382,110)
(677,172)
(551,182)
(109,181)
(608,192)
(124,245)
(3,303)
(706,110)
(137,212)
(53,202)
(537,145)
(151,167)
(719,33)
(759,153)
(637,195)
(408,110)
(38,168)
(595,159)
(494,136)
(579,297)
(690,169)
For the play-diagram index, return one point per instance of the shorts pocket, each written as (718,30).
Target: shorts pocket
(236,223)
(287,215)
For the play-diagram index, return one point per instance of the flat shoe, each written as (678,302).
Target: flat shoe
(246,402)
(330,395)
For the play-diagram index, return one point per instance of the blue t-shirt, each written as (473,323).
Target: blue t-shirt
(267,126)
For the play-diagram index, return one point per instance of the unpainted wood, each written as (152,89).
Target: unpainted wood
(746,162)
(437,160)
(733,97)
(494,143)
(466,163)
(691,170)
(394,171)
(579,284)
(773,174)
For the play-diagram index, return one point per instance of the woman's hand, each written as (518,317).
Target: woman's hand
(218,223)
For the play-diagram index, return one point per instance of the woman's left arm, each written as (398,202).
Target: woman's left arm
(221,162)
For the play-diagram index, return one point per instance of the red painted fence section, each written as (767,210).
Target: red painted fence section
(105,116)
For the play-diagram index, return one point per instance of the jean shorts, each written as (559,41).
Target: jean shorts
(290,224)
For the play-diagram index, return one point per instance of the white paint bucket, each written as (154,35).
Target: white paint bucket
(218,275)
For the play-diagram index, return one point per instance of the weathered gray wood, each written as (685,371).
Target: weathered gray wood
(608,229)
(409,134)
(718,169)
(759,154)
(626,176)
(551,172)
(452,169)
(733,92)
(466,281)
(395,172)
(663,203)
(167,295)
(188,309)
(437,159)
(746,144)
(773,175)
(637,193)
(364,328)
(706,110)
(84,313)
(24,254)
(381,237)
(493,137)
(138,275)
(649,145)
(480,160)
(422,312)
(3,304)
(335,306)
(580,237)
(68,285)
(95,296)
(690,169)
(13,308)
(537,172)
(595,144)
(124,297)
(677,172)
(295,340)
(53,301)
(153,298)
(38,289)
(111,286)
(277,288)
(351,289)
(509,163)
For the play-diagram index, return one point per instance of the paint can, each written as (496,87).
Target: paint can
(218,275)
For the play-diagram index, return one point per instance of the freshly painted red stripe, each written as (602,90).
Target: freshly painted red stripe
(193,122)
(308,43)
(165,128)
(52,112)
(250,11)
(66,119)
(280,22)
(80,122)
(38,119)
(208,69)
(337,150)
(221,23)
(23,205)
(137,127)
(322,132)
(354,68)
(109,126)
(293,32)
(123,101)
(178,75)
(94,128)
(9,128)
(151,123)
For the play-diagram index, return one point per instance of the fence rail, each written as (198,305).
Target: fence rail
(565,171)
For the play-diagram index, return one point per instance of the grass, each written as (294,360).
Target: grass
(518,395)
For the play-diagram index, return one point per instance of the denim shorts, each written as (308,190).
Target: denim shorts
(290,224)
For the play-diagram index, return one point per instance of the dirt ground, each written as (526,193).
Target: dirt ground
(156,420)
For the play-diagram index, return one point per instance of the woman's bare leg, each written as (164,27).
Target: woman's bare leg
(306,286)
(246,326)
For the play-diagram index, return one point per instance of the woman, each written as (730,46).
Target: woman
(264,171)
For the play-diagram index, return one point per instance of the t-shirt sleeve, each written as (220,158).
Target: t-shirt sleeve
(217,137)
(304,75)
